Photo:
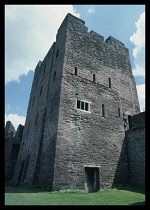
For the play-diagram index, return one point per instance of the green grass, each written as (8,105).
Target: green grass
(28,196)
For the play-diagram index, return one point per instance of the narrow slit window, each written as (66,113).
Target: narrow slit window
(94,79)
(57,53)
(76,71)
(54,76)
(109,83)
(41,90)
(118,112)
(103,110)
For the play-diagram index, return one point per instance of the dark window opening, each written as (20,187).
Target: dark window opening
(130,121)
(103,110)
(119,112)
(86,106)
(57,53)
(76,71)
(41,90)
(83,105)
(109,83)
(94,79)
(78,104)
(26,168)
(54,76)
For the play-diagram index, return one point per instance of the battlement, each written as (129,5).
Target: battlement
(96,36)
(77,25)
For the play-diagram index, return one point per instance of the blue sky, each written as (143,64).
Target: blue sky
(28,37)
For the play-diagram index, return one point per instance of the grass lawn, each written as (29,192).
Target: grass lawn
(27,196)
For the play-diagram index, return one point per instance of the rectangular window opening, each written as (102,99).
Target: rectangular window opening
(57,53)
(109,83)
(78,104)
(94,79)
(86,106)
(54,76)
(83,105)
(76,71)
(103,110)
(41,90)
(119,112)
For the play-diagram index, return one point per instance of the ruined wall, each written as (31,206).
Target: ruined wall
(12,146)
(135,138)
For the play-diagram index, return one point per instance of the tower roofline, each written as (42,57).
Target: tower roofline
(70,15)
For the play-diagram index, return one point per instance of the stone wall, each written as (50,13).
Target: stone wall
(12,146)
(135,138)
(60,141)
(88,138)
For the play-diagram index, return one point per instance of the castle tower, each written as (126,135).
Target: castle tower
(82,94)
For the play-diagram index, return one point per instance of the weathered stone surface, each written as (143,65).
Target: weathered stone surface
(12,145)
(60,141)
(135,138)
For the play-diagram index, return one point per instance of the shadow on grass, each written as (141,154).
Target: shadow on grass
(138,203)
(132,189)
(10,187)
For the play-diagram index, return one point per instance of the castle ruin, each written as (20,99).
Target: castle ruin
(80,114)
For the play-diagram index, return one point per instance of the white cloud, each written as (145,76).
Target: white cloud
(30,30)
(141,95)
(15,119)
(138,39)
(91,10)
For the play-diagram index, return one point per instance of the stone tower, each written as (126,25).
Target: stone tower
(82,97)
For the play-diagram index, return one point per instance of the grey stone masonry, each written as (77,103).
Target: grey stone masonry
(12,145)
(135,138)
(81,96)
